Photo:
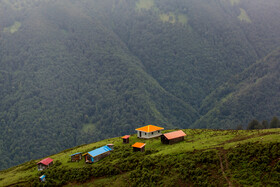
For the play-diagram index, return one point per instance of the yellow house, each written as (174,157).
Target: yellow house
(149,131)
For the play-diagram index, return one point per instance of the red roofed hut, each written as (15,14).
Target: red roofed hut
(138,147)
(173,137)
(44,164)
(126,138)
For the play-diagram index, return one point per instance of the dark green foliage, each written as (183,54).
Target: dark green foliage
(254,163)
(252,94)
(239,127)
(265,124)
(80,71)
(254,124)
(275,123)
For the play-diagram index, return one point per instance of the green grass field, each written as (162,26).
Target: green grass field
(197,141)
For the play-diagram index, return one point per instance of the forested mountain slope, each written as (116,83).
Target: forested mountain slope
(73,72)
(255,93)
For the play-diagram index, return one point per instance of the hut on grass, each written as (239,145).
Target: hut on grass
(173,137)
(111,146)
(97,154)
(149,131)
(76,157)
(45,163)
(42,178)
(126,138)
(139,147)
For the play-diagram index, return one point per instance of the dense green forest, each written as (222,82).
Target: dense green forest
(252,94)
(74,72)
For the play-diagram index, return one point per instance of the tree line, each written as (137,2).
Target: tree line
(255,124)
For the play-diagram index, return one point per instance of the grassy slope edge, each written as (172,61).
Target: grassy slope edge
(216,157)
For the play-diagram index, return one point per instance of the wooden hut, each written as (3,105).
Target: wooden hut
(139,147)
(126,138)
(173,137)
(44,164)
(76,157)
(97,154)
(111,146)
(149,131)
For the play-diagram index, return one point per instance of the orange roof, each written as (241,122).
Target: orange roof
(149,128)
(126,136)
(175,134)
(138,145)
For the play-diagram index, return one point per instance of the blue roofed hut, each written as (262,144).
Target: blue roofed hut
(42,178)
(76,157)
(97,154)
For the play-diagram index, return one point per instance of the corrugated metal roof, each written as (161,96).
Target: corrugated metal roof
(99,151)
(43,176)
(138,145)
(175,134)
(46,161)
(149,128)
(76,153)
(126,136)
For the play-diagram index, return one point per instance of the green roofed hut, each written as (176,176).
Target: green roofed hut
(76,157)
(97,154)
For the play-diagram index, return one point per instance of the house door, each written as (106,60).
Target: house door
(140,133)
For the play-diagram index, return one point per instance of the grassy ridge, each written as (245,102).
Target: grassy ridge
(216,157)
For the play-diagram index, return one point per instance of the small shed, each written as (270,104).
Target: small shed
(126,138)
(44,164)
(149,131)
(97,154)
(42,178)
(76,157)
(111,146)
(138,146)
(173,137)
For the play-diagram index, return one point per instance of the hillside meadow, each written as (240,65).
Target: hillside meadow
(206,157)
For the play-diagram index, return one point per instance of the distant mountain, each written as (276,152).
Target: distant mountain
(253,94)
(73,72)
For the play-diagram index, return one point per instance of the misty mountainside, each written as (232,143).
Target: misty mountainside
(253,94)
(73,72)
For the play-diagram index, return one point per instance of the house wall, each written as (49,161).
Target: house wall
(135,149)
(88,159)
(164,140)
(99,157)
(42,166)
(148,135)
(175,140)
(76,157)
